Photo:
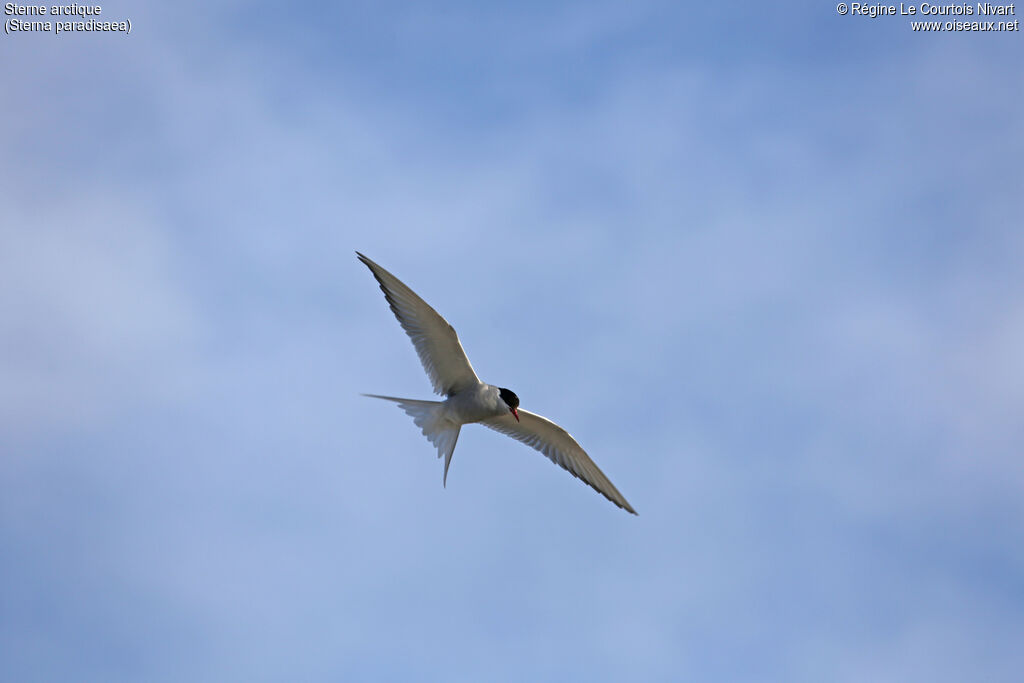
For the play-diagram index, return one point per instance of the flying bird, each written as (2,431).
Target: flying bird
(467,399)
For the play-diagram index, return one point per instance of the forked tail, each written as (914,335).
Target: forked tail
(429,417)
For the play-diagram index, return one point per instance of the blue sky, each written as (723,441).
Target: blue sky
(763,262)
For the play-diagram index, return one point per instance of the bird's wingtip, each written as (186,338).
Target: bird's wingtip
(627,507)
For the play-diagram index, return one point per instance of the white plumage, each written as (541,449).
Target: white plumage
(468,400)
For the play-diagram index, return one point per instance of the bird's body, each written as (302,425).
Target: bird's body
(469,400)
(475,404)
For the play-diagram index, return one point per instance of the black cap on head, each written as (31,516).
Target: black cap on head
(508,397)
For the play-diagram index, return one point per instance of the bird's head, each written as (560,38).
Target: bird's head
(511,400)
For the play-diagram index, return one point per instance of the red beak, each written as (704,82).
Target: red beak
(516,413)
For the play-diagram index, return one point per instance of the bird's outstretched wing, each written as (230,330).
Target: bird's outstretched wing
(556,443)
(435,340)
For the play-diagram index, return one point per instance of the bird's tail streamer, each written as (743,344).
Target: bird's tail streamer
(429,417)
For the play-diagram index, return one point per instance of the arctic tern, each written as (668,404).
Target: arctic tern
(467,399)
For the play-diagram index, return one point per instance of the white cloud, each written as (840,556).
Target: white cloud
(741,245)
(95,314)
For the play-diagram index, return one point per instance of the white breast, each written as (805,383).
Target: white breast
(479,403)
